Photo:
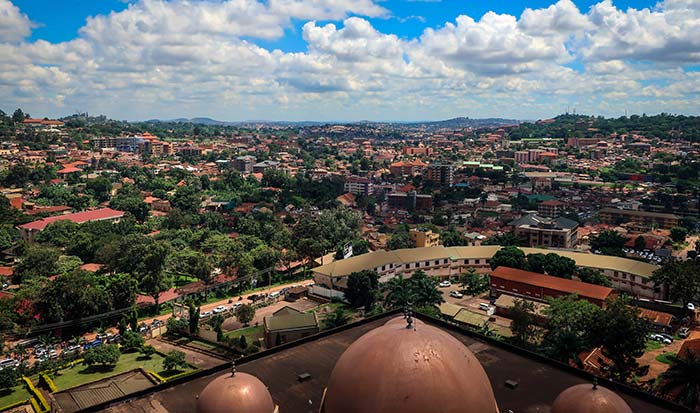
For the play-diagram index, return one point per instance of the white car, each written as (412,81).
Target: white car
(220,309)
(205,314)
(444,284)
(233,307)
(456,294)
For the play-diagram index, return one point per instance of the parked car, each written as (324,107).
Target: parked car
(92,344)
(666,336)
(219,309)
(8,363)
(71,349)
(684,332)
(484,306)
(233,307)
(456,294)
(660,338)
(284,290)
(156,323)
(444,284)
(274,295)
(205,314)
(690,306)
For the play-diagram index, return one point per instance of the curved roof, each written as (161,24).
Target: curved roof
(371,260)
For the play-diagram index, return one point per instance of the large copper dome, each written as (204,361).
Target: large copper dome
(237,393)
(410,370)
(587,398)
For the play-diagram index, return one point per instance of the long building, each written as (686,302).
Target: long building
(641,219)
(630,276)
(29,230)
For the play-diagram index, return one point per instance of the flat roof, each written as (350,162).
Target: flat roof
(539,380)
(374,259)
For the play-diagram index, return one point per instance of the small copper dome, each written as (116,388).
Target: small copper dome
(237,393)
(410,370)
(588,398)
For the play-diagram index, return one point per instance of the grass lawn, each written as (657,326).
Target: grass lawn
(252,333)
(81,374)
(652,345)
(16,394)
(665,358)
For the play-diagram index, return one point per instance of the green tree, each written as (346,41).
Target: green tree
(570,322)
(512,257)
(640,243)
(474,283)
(245,314)
(133,204)
(622,334)
(153,279)
(609,242)
(362,288)
(100,188)
(558,266)
(682,380)
(536,262)
(678,234)
(682,280)
(522,325)
(399,292)
(337,318)
(216,322)
(425,293)
(9,378)
(175,360)
(147,351)
(131,341)
(107,355)
(36,261)
(593,276)
(193,318)
(18,116)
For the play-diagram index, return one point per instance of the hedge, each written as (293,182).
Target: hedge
(37,394)
(167,379)
(35,405)
(49,382)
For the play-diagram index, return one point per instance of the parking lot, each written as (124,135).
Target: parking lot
(472,303)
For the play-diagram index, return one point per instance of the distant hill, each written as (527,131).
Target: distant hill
(463,122)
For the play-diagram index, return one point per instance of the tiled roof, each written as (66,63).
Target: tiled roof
(78,218)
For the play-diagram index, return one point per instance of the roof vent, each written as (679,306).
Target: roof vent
(511,384)
(304,377)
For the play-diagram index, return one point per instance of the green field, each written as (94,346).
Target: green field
(252,334)
(17,394)
(82,374)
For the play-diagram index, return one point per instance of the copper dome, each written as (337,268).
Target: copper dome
(237,393)
(587,398)
(410,370)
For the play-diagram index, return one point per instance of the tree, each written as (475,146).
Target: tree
(522,324)
(337,318)
(508,239)
(100,188)
(8,378)
(424,291)
(558,266)
(640,243)
(216,322)
(193,318)
(536,262)
(362,288)
(622,334)
(245,313)
(176,325)
(106,355)
(682,380)
(18,116)
(451,238)
(512,257)
(570,322)
(147,351)
(133,204)
(681,279)
(36,261)
(399,294)
(474,283)
(678,234)
(593,276)
(152,277)
(609,242)
(131,341)
(175,360)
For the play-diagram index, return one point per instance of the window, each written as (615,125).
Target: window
(437,262)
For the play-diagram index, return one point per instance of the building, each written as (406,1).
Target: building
(410,201)
(406,168)
(419,150)
(640,219)
(423,238)
(289,324)
(369,367)
(538,231)
(244,163)
(522,157)
(540,287)
(29,230)
(630,276)
(261,167)
(441,174)
(359,186)
(551,208)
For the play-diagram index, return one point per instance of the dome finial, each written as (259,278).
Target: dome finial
(233,368)
(408,315)
(595,382)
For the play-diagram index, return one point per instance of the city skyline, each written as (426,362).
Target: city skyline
(349,60)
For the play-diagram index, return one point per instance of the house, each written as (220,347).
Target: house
(423,238)
(29,230)
(289,324)
(547,232)
(539,287)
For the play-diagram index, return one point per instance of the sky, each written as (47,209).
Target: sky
(349,60)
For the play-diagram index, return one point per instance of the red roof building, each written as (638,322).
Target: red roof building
(540,287)
(27,231)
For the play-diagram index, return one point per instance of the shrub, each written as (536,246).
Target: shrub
(175,360)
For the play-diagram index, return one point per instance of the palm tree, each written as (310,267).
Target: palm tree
(682,380)
(399,293)
(337,318)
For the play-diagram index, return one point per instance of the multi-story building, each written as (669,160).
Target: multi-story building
(522,157)
(410,201)
(244,163)
(423,237)
(406,168)
(641,219)
(539,231)
(260,167)
(441,173)
(359,186)
(419,150)
(550,209)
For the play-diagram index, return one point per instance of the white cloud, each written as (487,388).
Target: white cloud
(14,25)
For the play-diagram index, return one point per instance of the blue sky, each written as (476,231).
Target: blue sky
(349,59)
